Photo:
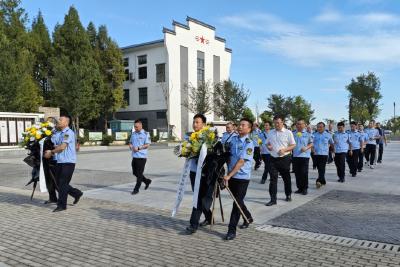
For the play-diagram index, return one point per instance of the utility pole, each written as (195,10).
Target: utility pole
(394,110)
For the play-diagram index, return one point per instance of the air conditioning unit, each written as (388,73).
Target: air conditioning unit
(131,76)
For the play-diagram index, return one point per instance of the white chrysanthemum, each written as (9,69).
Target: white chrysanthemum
(32,139)
(51,124)
(39,132)
(37,126)
(44,129)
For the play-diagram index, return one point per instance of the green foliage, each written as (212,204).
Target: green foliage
(364,94)
(199,98)
(230,100)
(289,108)
(247,113)
(393,125)
(107,140)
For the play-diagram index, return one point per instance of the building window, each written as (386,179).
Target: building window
(143,96)
(200,67)
(126,62)
(126,96)
(126,74)
(142,60)
(142,73)
(161,115)
(160,73)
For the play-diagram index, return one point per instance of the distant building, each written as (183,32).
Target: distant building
(158,73)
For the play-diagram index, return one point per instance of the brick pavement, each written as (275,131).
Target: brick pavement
(106,233)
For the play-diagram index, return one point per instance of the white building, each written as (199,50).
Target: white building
(158,74)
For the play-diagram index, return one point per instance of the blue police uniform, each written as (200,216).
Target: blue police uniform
(322,142)
(139,158)
(65,167)
(341,143)
(256,155)
(265,155)
(55,140)
(227,137)
(370,149)
(240,148)
(356,140)
(301,159)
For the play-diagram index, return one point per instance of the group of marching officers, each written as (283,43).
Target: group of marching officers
(280,148)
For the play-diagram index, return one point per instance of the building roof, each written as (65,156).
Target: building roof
(178,24)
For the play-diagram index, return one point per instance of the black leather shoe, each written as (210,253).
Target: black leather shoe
(134,192)
(271,203)
(298,191)
(245,224)
(147,184)
(262,181)
(304,192)
(77,199)
(354,175)
(230,236)
(48,202)
(190,230)
(204,223)
(58,209)
(359,170)
(288,198)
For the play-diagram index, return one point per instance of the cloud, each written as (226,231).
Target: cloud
(307,45)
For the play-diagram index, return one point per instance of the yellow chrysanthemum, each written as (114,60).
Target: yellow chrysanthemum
(38,136)
(48,132)
(259,141)
(299,134)
(211,135)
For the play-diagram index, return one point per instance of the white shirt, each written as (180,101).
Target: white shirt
(280,139)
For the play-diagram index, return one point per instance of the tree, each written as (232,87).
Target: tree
(279,105)
(42,50)
(77,77)
(266,116)
(18,90)
(109,95)
(230,100)
(199,98)
(247,113)
(364,96)
(300,109)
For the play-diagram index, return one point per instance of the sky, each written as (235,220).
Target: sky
(311,48)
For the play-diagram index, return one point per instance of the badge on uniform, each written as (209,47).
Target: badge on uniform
(66,136)
(249,151)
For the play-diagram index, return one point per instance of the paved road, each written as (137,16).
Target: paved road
(110,227)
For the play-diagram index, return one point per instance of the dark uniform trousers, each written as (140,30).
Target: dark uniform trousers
(300,167)
(267,166)
(340,162)
(64,175)
(138,165)
(204,202)
(238,188)
(282,166)
(360,163)
(353,161)
(330,155)
(380,153)
(49,168)
(320,162)
(257,157)
(370,151)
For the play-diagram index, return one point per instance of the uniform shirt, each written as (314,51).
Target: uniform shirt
(380,140)
(322,142)
(227,137)
(364,136)
(54,140)
(356,138)
(302,139)
(254,136)
(280,139)
(263,148)
(371,133)
(341,141)
(139,139)
(241,148)
(68,155)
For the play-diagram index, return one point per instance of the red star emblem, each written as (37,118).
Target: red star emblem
(202,39)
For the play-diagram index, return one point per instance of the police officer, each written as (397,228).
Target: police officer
(255,137)
(205,196)
(380,142)
(239,172)
(342,146)
(265,153)
(356,140)
(301,156)
(227,136)
(280,143)
(331,148)
(322,142)
(370,148)
(139,144)
(66,159)
(364,137)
